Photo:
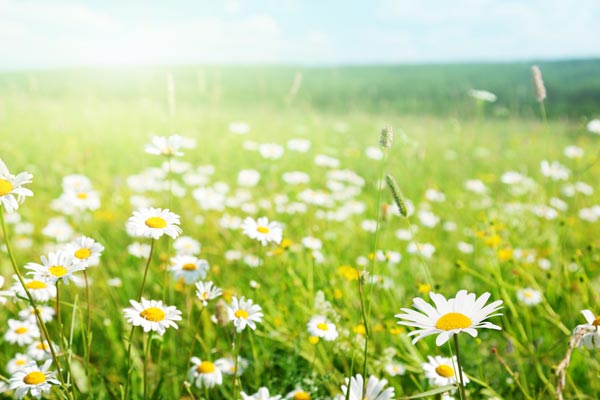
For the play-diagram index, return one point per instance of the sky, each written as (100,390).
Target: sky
(38,34)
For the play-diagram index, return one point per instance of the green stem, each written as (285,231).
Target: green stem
(463,394)
(146,270)
(238,342)
(88,335)
(146,357)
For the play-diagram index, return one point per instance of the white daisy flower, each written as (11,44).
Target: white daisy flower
(21,332)
(591,339)
(206,291)
(262,394)
(529,297)
(154,222)
(299,145)
(374,390)
(440,371)
(298,394)
(394,369)
(17,363)
(594,126)
(554,170)
(85,251)
(262,230)
(40,350)
(188,268)
(248,177)
(204,373)
(482,95)
(46,313)
(33,380)
(244,313)
(320,327)
(58,266)
(270,151)
(227,365)
(464,313)
(166,146)
(12,192)
(239,128)
(58,228)
(187,245)
(39,289)
(139,250)
(152,315)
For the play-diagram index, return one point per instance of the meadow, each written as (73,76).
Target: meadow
(485,214)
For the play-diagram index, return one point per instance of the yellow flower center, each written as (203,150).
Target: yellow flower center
(205,367)
(596,322)
(42,346)
(263,229)
(241,314)
(20,362)
(34,378)
(21,330)
(156,222)
(204,295)
(83,253)
(5,187)
(35,285)
(153,314)
(189,267)
(528,294)
(445,370)
(452,321)
(322,326)
(301,395)
(57,270)
(82,196)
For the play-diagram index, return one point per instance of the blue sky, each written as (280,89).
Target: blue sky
(45,33)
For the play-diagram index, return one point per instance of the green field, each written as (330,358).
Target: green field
(97,122)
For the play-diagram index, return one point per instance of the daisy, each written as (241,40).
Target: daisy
(298,394)
(248,178)
(28,314)
(262,230)
(17,363)
(262,394)
(85,251)
(154,222)
(529,297)
(187,245)
(21,332)
(591,339)
(373,391)
(40,290)
(139,250)
(204,373)
(594,126)
(190,268)
(33,380)
(239,128)
(554,170)
(40,350)
(227,365)
(320,327)
(482,95)
(11,191)
(207,291)
(165,146)
(440,371)
(59,229)
(464,313)
(299,145)
(152,315)
(394,369)
(243,312)
(58,266)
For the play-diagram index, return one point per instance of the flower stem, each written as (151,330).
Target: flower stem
(128,381)
(88,335)
(463,394)
(238,342)
(146,357)
(146,270)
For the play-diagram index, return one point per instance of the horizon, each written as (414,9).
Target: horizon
(44,34)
